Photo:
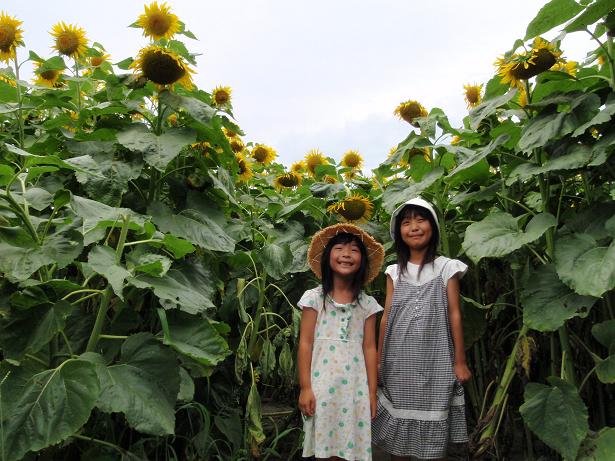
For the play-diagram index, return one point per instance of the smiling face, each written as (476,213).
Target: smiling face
(416,231)
(345,258)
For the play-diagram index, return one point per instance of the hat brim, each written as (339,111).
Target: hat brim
(375,251)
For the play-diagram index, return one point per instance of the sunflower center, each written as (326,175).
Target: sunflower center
(8,35)
(221,97)
(67,43)
(49,74)
(352,160)
(472,95)
(353,210)
(97,61)
(159,23)
(259,154)
(242,166)
(288,180)
(162,68)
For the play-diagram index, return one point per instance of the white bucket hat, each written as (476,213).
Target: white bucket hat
(417,201)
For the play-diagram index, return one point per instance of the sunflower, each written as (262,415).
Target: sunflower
(473,94)
(456,140)
(422,151)
(172,119)
(298,167)
(237,145)
(569,67)
(158,21)
(329,179)
(221,96)
(313,159)
(11,36)
(523,97)
(523,66)
(229,133)
(70,40)
(410,111)
(352,159)
(287,180)
(8,80)
(245,171)
(263,154)
(163,67)
(49,78)
(96,61)
(353,208)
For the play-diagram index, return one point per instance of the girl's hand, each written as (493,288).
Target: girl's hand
(462,372)
(373,404)
(307,402)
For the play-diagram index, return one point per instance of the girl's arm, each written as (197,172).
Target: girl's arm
(462,372)
(307,400)
(383,321)
(371,358)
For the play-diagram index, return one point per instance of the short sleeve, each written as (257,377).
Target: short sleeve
(391,271)
(452,267)
(311,299)
(370,306)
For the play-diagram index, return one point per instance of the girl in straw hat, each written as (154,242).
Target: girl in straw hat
(421,354)
(337,347)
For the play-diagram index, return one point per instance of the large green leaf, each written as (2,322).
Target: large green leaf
(605,370)
(197,109)
(19,260)
(102,260)
(276,259)
(400,190)
(143,384)
(553,14)
(489,107)
(499,234)
(28,331)
(187,286)
(468,161)
(584,265)
(592,13)
(203,231)
(158,151)
(604,332)
(548,303)
(43,408)
(600,446)
(195,337)
(557,415)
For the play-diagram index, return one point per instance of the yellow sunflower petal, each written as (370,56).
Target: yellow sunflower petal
(314,158)
(70,40)
(245,171)
(472,94)
(158,22)
(49,78)
(11,36)
(410,111)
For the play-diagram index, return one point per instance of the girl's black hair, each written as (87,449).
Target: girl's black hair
(403,250)
(327,273)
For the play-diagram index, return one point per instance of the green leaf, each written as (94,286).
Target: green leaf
(599,447)
(195,337)
(200,111)
(557,415)
(286,368)
(400,190)
(267,359)
(151,264)
(276,259)
(551,15)
(255,435)
(604,332)
(44,408)
(186,386)
(489,107)
(143,384)
(468,161)
(187,286)
(179,247)
(605,370)
(20,260)
(102,260)
(241,359)
(592,13)
(203,232)
(583,265)
(548,303)
(499,234)
(28,331)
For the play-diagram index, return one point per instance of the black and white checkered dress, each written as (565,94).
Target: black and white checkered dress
(420,404)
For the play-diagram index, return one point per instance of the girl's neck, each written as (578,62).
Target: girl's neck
(418,256)
(342,290)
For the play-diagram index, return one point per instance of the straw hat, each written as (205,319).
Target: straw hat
(375,251)
(417,201)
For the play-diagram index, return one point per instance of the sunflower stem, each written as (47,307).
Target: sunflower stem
(78,84)
(19,104)
(611,59)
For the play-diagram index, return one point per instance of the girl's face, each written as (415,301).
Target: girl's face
(345,259)
(416,231)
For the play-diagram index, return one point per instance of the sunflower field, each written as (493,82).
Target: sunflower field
(151,256)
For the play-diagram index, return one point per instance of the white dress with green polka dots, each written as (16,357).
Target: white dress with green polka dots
(341,425)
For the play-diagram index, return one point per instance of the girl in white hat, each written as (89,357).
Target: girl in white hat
(337,345)
(422,362)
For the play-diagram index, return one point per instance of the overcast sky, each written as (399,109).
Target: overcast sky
(321,74)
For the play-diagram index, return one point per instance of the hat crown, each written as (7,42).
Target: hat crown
(416,201)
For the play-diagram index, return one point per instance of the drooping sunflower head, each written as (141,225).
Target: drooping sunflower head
(221,96)
(410,111)
(287,180)
(352,159)
(70,40)
(298,167)
(472,94)
(97,61)
(11,36)
(237,144)
(158,22)
(163,67)
(263,154)
(312,159)
(201,148)
(47,77)
(245,171)
(353,208)
(523,66)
